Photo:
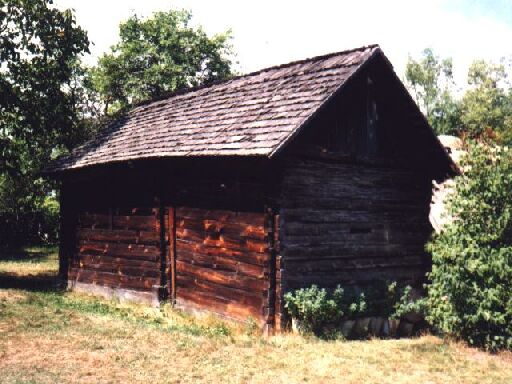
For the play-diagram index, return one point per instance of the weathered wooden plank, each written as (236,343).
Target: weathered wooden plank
(112,280)
(147,252)
(250,298)
(244,256)
(224,263)
(119,235)
(171,255)
(219,215)
(143,223)
(215,304)
(118,261)
(334,266)
(226,278)
(222,240)
(230,229)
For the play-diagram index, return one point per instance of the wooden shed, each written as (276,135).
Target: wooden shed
(224,197)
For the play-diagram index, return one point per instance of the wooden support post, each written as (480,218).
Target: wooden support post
(67,233)
(163,291)
(278,304)
(271,297)
(172,254)
(63,238)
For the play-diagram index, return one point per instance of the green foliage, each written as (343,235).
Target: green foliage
(40,85)
(158,55)
(486,107)
(317,308)
(407,303)
(431,80)
(470,294)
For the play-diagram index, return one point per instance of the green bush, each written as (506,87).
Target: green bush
(470,295)
(317,309)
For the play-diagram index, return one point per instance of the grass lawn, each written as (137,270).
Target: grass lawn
(54,337)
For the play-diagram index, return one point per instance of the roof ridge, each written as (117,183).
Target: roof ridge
(254,73)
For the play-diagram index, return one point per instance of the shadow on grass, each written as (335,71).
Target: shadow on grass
(25,254)
(37,283)
(30,280)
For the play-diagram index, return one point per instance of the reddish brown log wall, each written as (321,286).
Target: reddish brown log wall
(119,249)
(223,262)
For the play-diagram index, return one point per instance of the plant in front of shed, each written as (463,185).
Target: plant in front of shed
(320,312)
(470,294)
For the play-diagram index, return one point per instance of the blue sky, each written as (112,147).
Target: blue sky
(269,32)
(500,10)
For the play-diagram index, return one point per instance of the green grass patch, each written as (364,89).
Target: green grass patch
(59,337)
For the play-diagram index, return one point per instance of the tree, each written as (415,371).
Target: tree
(431,82)
(158,55)
(486,107)
(40,48)
(471,279)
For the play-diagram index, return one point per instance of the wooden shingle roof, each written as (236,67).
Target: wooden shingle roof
(250,115)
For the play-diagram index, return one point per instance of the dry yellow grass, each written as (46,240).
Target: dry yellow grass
(29,261)
(48,337)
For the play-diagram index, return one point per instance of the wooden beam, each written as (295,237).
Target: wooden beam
(172,253)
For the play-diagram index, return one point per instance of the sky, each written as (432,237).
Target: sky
(271,32)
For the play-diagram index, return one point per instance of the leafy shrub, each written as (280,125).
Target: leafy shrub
(407,303)
(319,310)
(314,307)
(382,297)
(471,291)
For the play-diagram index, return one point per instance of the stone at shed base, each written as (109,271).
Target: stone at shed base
(405,329)
(361,327)
(376,325)
(347,327)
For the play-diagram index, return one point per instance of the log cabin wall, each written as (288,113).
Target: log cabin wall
(214,253)
(223,254)
(223,262)
(118,249)
(115,246)
(350,224)
(354,203)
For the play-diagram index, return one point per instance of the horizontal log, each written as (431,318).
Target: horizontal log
(203,300)
(119,235)
(148,269)
(260,259)
(230,279)
(334,266)
(224,264)
(409,275)
(342,251)
(222,241)
(141,223)
(128,222)
(140,251)
(230,229)
(136,263)
(112,280)
(256,300)
(219,215)
(317,215)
